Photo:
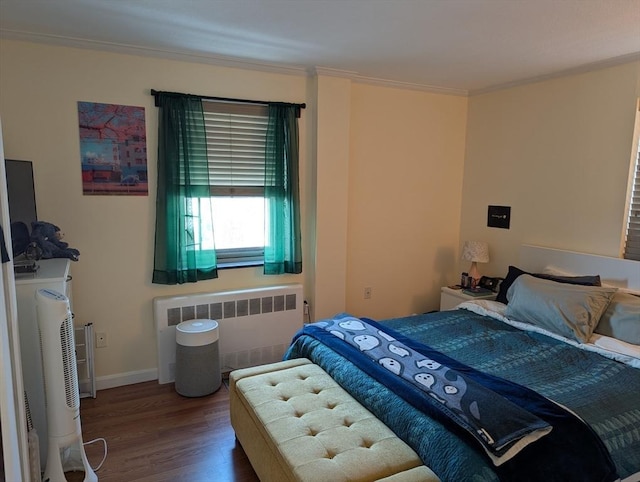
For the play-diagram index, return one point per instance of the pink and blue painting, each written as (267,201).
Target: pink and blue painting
(113,149)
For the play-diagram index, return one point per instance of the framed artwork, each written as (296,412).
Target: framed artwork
(113,149)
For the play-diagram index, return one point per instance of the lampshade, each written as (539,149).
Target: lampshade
(476,251)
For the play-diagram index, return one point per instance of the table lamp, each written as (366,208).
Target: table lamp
(476,252)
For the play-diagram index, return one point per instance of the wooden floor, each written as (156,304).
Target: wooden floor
(155,435)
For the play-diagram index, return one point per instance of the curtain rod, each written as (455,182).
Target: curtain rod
(225,99)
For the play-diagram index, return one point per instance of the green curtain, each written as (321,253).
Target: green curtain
(282,250)
(182,175)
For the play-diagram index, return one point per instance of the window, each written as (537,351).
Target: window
(236,137)
(229,172)
(632,240)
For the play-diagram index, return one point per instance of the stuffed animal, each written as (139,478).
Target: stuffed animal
(48,237)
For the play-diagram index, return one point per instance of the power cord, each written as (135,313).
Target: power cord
(105,451)
(306,312)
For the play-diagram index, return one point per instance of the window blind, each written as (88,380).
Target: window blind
(632,242)
(236,136)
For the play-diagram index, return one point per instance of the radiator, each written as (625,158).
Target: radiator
(255,325)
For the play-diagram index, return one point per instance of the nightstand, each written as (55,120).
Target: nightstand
(450,298)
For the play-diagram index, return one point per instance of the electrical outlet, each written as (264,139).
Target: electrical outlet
(101,340)
(367,293)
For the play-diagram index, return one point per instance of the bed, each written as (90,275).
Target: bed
(573,385)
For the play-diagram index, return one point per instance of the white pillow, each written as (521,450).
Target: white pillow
(552,270)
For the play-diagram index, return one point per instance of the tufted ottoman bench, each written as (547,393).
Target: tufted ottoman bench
(295,423)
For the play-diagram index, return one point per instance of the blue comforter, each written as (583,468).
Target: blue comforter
(478,405)
(559,371)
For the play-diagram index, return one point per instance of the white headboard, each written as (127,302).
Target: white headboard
(622,273)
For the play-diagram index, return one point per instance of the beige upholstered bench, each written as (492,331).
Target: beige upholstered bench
(295,423)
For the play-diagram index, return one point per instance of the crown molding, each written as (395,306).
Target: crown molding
(329,72)
(220,60)
(362,79)
(412,86)
(272,67)
(581,69)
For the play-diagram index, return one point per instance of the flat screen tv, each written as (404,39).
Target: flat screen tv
(22,196)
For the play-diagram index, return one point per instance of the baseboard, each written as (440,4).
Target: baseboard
(129,378)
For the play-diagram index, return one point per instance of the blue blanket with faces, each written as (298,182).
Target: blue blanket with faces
(499,426)
(510,422)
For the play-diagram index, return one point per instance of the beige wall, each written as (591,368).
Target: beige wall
(557,152)
(332,177)
(407,155)
(39,90)
(347,183)
(392,181)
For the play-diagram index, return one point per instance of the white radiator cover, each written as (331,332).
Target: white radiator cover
(255,325)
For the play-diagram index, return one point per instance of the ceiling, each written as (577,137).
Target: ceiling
(456,46)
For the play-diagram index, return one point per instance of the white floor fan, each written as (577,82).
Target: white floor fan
(66,450)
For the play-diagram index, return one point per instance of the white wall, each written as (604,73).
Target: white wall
(558,153)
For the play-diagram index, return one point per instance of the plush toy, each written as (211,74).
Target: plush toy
(48,237)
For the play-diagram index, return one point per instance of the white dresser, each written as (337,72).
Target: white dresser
(53,274)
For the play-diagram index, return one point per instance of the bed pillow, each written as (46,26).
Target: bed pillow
(569,310)
(514,273)
(621,319)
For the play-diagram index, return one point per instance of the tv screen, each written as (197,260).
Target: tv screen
(22,195)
